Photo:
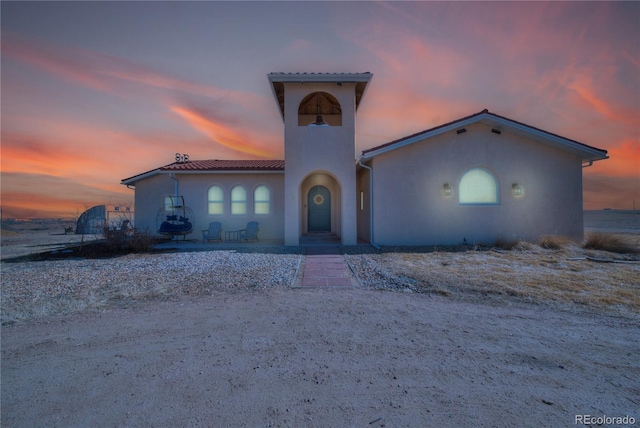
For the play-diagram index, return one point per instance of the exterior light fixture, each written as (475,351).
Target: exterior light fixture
(516,189)
(319,121)
(447,189)
(461,131)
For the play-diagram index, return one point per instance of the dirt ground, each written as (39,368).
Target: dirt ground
(326,357)
(323,357)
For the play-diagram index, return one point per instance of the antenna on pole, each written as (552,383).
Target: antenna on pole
(182,158)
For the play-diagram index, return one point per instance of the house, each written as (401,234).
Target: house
(477,179)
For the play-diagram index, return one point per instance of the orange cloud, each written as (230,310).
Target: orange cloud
(41,195)
(70,154)
(624,161)
(220,133)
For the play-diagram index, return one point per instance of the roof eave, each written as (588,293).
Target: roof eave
(419,137)
(361,81)
(319,77)
(587,153)
(131,181)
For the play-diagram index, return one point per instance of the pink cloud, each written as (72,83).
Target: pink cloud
(222,134)
(106,72)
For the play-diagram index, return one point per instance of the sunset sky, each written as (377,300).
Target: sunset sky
(95,92)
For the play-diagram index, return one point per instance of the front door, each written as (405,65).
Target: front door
(319,203)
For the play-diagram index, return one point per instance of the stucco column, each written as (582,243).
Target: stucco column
(349,233)
(291,211)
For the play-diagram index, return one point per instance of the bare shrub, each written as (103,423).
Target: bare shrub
(610,242)
(504,244)
(553,242)
(141,241)
(115,239)
(128,240)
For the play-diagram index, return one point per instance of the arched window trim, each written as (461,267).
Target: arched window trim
(261,204)
(462,193)
(238,200)
(215,206)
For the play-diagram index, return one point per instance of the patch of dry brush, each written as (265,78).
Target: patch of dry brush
(555,271)
(621,244)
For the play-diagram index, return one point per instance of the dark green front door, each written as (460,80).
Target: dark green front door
(319,203)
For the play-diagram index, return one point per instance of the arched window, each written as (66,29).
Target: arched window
(478,186)
(319,108)
(238,200)
(215,200)
(261,200)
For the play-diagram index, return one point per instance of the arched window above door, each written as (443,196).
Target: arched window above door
(319,108)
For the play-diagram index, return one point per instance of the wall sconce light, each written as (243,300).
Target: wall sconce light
(461,131)
(447,189)
(516,189)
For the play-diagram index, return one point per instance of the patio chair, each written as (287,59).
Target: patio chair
(214,233)
(250,233)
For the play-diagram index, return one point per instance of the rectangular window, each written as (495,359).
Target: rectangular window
(238,208)
(216,208)
(361,201)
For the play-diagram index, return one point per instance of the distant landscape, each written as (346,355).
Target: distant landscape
(613,221)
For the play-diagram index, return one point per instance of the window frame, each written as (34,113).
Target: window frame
(490,174)
(257,201)
(235,203)
(210,201)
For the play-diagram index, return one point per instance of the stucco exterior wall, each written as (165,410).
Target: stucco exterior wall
(410,207)
(310,150)
(194,188)
(148,200)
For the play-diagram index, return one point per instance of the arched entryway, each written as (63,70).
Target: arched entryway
(320,209)
(319,212)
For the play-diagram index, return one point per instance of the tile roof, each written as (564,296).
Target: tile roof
(212,165)
(278,80)
(226,165)
(322,75)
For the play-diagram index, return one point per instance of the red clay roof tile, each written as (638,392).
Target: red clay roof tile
(226,165)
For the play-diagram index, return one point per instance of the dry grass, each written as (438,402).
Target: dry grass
(553,242)
(613,243)
(565,275)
